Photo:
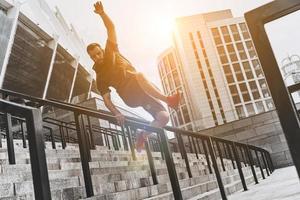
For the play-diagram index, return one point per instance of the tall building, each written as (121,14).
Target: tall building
(221,69)
(172,81)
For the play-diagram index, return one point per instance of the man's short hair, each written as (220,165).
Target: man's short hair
(91,46)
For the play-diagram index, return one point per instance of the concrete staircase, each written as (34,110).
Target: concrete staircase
(115,175)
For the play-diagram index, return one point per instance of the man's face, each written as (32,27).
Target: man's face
(96,54)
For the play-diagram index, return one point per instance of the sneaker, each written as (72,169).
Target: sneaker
(173,101)
(140,141)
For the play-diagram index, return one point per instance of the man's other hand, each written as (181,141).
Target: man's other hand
(98,8)
(120,119)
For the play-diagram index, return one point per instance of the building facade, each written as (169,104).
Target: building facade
(41,54)
(220,68)
(172,81)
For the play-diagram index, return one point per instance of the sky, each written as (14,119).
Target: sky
(144,26)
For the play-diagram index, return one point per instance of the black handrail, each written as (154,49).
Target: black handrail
(132,123)
(36,145)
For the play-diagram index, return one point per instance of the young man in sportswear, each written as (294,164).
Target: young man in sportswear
(113,70)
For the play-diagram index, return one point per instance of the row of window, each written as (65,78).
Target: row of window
(203,78)
(212,79)
(171,83)
(234,29)
(249,108)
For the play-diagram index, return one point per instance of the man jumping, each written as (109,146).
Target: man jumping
(113,70)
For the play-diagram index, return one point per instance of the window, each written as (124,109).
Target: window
(171,61)
(238,72)
(241,51)
(236,99)
(233,89)
(256,95)
(180,119)
(227,69)
(186,114)
(225,30)
(253,86)
(240,111)
(260,107)
(237,67)
(218,40)
(204,53)
(246,97)
(255,64)
(176,78)
(246,35)
(234,28)
(243,27)
(259,73)
(215,32)
(230,48)
(224,59)
(233,57)
(171,82)
(263,84)
(270,104)
(247,69)
(166,64)
(227,38)
(229,78)
(250,109)
(251,49)
(239,76)
(243,87)
(221,50)
(235,32)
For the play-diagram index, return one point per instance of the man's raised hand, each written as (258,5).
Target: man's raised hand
(98,8)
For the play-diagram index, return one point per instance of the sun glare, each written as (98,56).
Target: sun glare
(161,27)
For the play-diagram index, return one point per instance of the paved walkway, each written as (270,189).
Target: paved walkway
(283,184)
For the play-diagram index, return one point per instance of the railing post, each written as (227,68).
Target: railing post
(9,139)
(230,155)
(243,156)
(151,163)
(259,164)
(37,155)
(220,155)
(87,138)
(132,149)
(184,154)
(161,147)
(270,161)
(124,138)
(239,166)
(52,139)
(84,155)
(265,163)
(216,169)
(23,135)
(91,133)
(250,157)
(62,136)
(195,148)
(171,166)
(190,144)
(206,155)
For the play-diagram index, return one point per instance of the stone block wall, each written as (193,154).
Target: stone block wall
(263,130)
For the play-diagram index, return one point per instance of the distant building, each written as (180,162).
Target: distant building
(221,72)
(290,69)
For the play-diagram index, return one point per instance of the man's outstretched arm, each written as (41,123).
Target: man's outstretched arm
(110,27)
(111,107)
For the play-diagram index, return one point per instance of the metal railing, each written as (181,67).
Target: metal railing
(213,148)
